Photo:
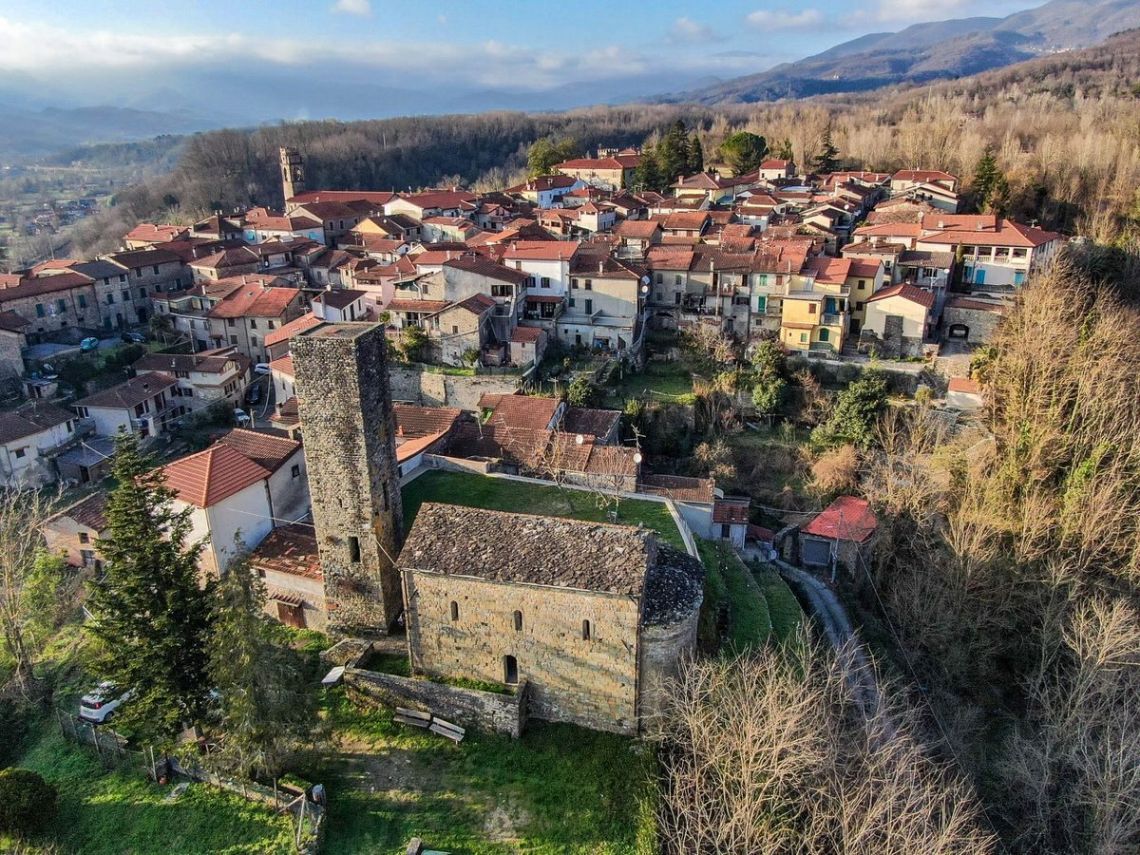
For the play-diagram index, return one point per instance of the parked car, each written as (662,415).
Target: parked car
(241,417)
(101,702)
(253,394)
(134,337)
(89,344)
(262,368)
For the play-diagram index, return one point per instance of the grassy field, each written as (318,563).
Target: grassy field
(559,789)
(120,811)
(479,491)
(749,623)
(660,381)
(784,609)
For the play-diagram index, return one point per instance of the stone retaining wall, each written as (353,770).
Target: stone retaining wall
(501,713)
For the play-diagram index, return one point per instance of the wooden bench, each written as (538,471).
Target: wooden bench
(415,718)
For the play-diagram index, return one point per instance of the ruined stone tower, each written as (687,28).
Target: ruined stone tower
(349,434)
(292,172)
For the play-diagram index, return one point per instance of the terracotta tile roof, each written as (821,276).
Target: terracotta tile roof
(984,230)
(829,271)
(686,221)
(156,233)
(477,304)
(624,161)
(131,393)
(405,451)
(906,292)
(206,362)
(923,176)
(526,334)
(860,267)
(288,414)
(483,266)
(30,418)
(975,305)
(23,287)
(264,449)
(638,229)
(847,518)
(290,549)
(524,411)
(541,250)
(340,298)
(414,421)
(213,475)
(542,183)
(964,384)
(375,197)
(256,302)
(283,365)
(294,327)
(90,512)
(144,257)
(730,510)
(775,164)
(536,550)
(679,488)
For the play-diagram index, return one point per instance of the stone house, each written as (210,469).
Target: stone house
(594,618)
(12,344)
(972,319)
(57,301)
(236,488)
(898,321)
(611,173)
(461,328)
(843,533)
(288,562)
(528,344)
(277,341)
(244,317)
(341,304)
(29,436)
(143,405)
(730,520)
(73,531)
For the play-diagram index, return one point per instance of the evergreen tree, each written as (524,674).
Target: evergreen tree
(696,161)
(785,151)
(857,409)
(991,190)
(673,154)
(743,151)
(545,153)
(149,610)
(827,160)
(647,176)
(266,703)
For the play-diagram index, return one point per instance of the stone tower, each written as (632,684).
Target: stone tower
(292,172)
(350,450)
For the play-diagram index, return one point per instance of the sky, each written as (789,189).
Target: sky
(134,53)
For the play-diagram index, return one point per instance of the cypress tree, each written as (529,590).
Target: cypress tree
(827,160)
(696,155)
(149,610)
(267,708)
(991,190)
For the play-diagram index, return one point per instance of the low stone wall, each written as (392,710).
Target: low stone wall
(465,707)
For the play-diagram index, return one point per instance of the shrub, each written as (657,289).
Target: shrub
(28,803)
(582,392)
(13,730)
(835,472)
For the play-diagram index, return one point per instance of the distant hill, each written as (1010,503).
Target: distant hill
(927,52)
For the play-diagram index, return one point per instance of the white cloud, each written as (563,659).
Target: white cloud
(353,7)
(782,19)
(688,31)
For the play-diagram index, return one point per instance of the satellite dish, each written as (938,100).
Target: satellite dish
(645,279)
(644,289)
(637,457)
(579,439)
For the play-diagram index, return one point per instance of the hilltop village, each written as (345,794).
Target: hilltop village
(518,455)
(361,338)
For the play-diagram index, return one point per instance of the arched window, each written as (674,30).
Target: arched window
(586,630)
(518,621)
(454,611)
(510,670)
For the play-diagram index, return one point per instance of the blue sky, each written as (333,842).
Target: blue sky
(127,49)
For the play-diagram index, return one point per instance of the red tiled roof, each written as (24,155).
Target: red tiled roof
(541,250)
(30,418)
(524,411)
(413,421)
(376,197)
(256,302)
(730,511)
(679,488)
(407,450)
(294,327)
(284,365)
(847,518)
(263,449)
(922,175)
(964,384)
(90,512)
(907,292)
(210,476)
(526,334)
(427,307)
(289,549)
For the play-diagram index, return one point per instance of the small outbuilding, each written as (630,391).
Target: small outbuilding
(843,533)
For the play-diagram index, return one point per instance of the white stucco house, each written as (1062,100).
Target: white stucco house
(28,434)
(236,489)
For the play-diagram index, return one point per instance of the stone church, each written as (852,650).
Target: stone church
(592,618)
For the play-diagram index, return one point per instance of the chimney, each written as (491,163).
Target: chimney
(941,224)
(980,226)
(601,265)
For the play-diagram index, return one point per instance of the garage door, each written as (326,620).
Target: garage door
(816,552)
(959,331)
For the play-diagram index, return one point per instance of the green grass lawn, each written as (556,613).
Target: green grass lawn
(749,622)
(783,607)
(558,789)
(479,491)
(120,811)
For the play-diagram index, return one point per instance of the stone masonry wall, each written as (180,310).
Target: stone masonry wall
(587,682)
(428,389)
(345,406)
(500,713)
(662,650)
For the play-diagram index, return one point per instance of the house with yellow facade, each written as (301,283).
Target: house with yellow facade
(818,317)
